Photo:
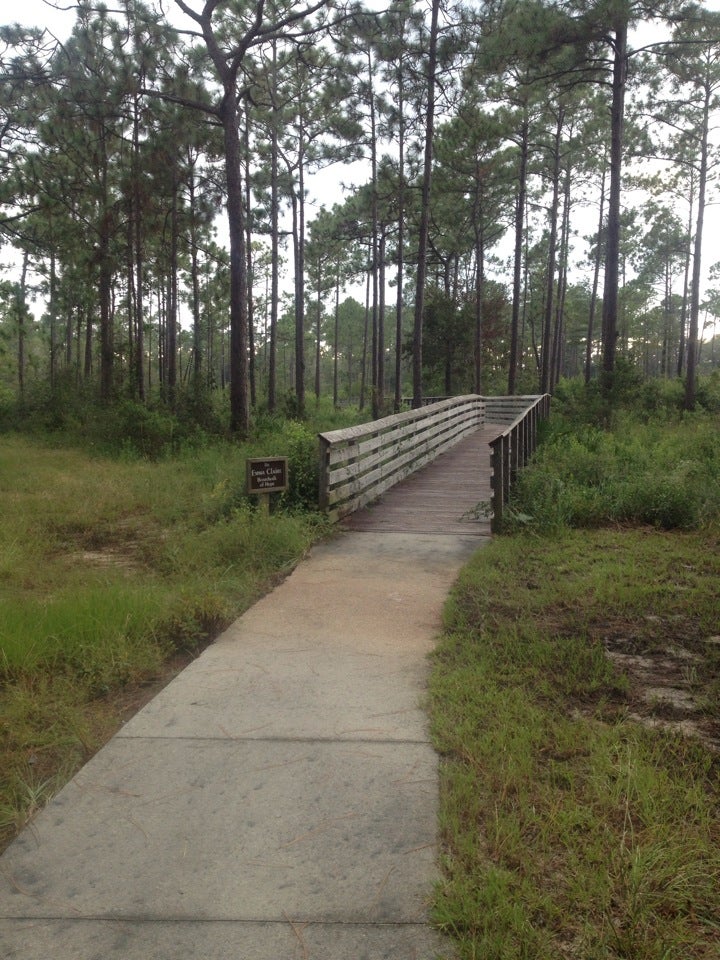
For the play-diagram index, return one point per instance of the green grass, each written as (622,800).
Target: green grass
(575,698)
(108,568)
(663,474)
(571,828)
(92,549)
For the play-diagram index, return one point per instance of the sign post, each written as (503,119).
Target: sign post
(266,475)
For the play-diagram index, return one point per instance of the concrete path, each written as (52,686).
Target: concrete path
(277,800)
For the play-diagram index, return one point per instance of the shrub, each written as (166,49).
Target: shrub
(668,502)
(661,398)
(576,403)
(148,431)
(277,437)
(301,447)
(666,475)
(708,392)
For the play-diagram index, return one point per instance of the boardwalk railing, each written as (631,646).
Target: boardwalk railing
(512,448)
(358,464)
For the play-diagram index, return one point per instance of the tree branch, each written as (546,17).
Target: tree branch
(181,101)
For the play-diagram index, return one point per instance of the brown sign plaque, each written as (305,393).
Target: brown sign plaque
(268,475)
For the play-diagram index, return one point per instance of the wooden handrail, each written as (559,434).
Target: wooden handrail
(512,449)
(360,463)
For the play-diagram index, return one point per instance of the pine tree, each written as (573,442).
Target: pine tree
(228,36)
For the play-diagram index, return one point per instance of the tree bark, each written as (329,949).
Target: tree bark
(195,279)
(318,329)
(21,310)
(274,239)
(249,267)
(171,322)
(559,337)
(425,210)
(596,278)
(686,280)
(547,340)
(692,342)
(139,258)
(400,240)
(382,240)
(612,249)
(517,263)
(336,337)
(239,397)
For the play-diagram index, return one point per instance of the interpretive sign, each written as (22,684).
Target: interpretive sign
(267,475)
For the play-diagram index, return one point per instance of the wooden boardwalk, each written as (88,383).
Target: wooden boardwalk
(442,498)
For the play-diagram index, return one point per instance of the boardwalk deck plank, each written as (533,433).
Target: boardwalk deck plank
(441,498)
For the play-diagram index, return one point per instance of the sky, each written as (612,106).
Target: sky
(36,13)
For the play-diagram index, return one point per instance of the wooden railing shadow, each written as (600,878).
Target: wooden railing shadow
(358,464)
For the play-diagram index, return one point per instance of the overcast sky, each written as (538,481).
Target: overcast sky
(61,20)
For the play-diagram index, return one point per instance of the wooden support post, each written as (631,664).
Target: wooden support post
(324,474)
(506,449)
(497,483)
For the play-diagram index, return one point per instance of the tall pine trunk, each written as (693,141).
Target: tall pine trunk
(479,233)
(425,209)
(517,261)
(400,241)
(318,328)
(171,321)
(612,248)
(53,311)
(195,280)
(547,340)
(686,280)
(336,337)
(274,238)
(239,396)
(21,311)
(692,342)
(249,266)
(139,360)
(596,279)
(559,336)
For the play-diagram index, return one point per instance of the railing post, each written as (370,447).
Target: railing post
(507,466)
(532,433)
(324,473)
(497,483)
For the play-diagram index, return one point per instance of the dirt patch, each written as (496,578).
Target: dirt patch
(127,701)
(108,557)
(670,687)
(125,544)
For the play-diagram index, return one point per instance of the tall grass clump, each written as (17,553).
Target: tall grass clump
(95,549)
(662,470)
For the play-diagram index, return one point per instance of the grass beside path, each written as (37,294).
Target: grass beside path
(113,572)
(579,818)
